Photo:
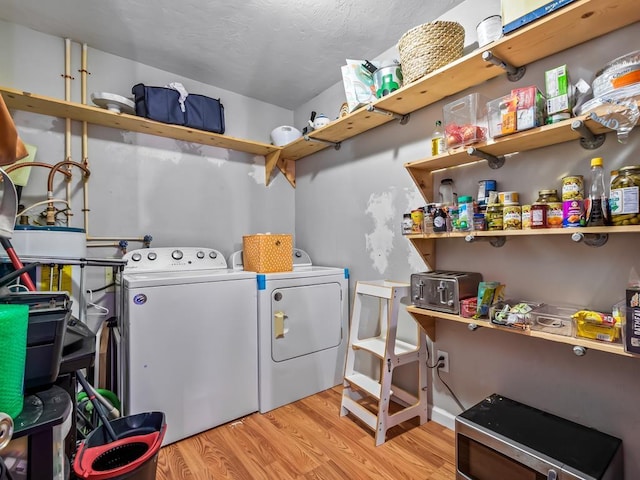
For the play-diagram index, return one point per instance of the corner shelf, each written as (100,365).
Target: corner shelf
(427,318)
(30,102)
(571,25)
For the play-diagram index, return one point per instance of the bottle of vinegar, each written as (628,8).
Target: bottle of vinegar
(437,140)
(598,208)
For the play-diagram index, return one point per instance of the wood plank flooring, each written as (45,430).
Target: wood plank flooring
(309,440)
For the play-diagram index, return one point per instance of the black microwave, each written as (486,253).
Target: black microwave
(501,439)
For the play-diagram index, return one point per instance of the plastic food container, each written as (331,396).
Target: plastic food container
(285,134)
(513,313)
(465,120)
(554,319)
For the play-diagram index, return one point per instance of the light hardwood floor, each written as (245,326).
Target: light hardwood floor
(309,440)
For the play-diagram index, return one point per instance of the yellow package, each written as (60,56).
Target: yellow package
(597,326)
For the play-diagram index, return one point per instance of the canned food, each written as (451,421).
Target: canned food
(493,216)
(554,215)
(511,217)
(573,188)
(526,217)
(508,197)
(573,213)
(484,187)
(417,216)
(539,215)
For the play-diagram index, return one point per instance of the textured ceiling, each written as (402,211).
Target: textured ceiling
(280,52)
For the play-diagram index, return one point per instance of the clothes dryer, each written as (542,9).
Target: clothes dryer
(188,339)
(303,318)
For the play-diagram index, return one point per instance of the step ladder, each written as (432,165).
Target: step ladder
(359,388)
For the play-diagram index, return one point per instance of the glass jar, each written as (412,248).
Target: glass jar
(624,198)
(548,196)
(539,215)
(494,216)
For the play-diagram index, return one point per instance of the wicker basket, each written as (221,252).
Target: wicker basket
(427,47)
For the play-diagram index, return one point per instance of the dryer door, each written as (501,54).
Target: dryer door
(305,319)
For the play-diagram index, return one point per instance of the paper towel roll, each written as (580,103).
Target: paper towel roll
(13,351)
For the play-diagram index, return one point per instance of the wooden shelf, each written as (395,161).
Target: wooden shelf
(426,318)
(571,25)
(520,233)
(30,102)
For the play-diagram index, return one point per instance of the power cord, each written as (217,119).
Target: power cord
(438,365)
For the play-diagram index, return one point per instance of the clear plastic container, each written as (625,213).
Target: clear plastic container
(465,213)
(554,319)
(465,120)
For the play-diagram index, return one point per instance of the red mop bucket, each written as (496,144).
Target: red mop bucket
(133,455)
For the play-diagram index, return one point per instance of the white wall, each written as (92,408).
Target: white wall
(183,194)
(349,207)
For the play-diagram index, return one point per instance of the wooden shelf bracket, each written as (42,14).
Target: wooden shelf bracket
(496,242)
(404,119)
(513,73)
(494,162)
(335,145)
(590,239)
(588,140)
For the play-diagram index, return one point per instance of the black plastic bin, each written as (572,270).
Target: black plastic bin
(133,455)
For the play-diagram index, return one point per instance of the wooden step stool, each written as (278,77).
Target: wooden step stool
(392,353)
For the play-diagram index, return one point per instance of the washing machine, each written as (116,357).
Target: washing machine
(188,328)
(303,318)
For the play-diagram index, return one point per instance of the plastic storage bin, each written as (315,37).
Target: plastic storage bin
(465,120)
(512,313)
(501,114)
(554,319)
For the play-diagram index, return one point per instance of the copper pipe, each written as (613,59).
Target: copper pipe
(15,166)
(67,97)
(58,165)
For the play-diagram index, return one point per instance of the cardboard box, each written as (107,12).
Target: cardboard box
(631,327)
(517,13)
(531,107)
(558,89)
(267,253)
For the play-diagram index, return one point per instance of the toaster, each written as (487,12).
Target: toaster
(442,290)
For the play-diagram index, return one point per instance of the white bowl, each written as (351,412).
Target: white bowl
(285,134)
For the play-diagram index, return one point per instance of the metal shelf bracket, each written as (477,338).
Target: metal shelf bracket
(473,326)
(336,145)
(513,73)
(496,242)
(579,350)
(494,162)
(404,119)
(590,239)
(588,140)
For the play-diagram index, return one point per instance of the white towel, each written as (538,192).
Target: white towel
(181,90)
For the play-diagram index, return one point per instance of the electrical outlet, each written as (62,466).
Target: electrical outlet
(442,358)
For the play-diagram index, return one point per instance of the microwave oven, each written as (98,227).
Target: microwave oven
(503,439)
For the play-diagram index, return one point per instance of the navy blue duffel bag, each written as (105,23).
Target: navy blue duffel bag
(163,105)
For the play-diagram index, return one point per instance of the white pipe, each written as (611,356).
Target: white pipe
(43,202)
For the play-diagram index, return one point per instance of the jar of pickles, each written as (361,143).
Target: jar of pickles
(548,196)
(493,216)
(624,200)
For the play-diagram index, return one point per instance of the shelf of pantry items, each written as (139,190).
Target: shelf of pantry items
(427,320)
(532,139)
(30,102)
(571,25)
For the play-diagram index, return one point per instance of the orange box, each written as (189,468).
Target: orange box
(267,252)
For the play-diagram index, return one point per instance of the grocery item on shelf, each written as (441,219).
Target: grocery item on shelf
(485,187)
(511,216)
(597,326)
(508,197)
(554,319)
(465,120)
(597,206)
(465,213)
(530,109)
(623,201)
(573,213)
(488,294)
(512,313)
(407,224)
(437,140)
(501,115)
(631,329)
(526,217)
(493,216)
(417,217)
(447,192)
(516,14)
(559,94)
(573,187)
(618,73)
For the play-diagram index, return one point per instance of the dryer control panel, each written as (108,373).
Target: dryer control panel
(173,259)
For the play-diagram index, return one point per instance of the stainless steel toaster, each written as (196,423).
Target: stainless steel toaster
(442,290)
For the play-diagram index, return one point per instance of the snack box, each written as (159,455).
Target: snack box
(465,120)
(597,326)
(632,323)
(531,107)
(558,90)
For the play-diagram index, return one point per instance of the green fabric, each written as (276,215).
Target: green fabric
(13,351)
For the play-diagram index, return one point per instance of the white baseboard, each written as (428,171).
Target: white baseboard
(442,417)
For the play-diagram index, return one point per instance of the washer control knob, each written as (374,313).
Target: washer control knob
(176,254)
(152,256)
(213,255)
(298,253)
(200,254)
(136,257)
